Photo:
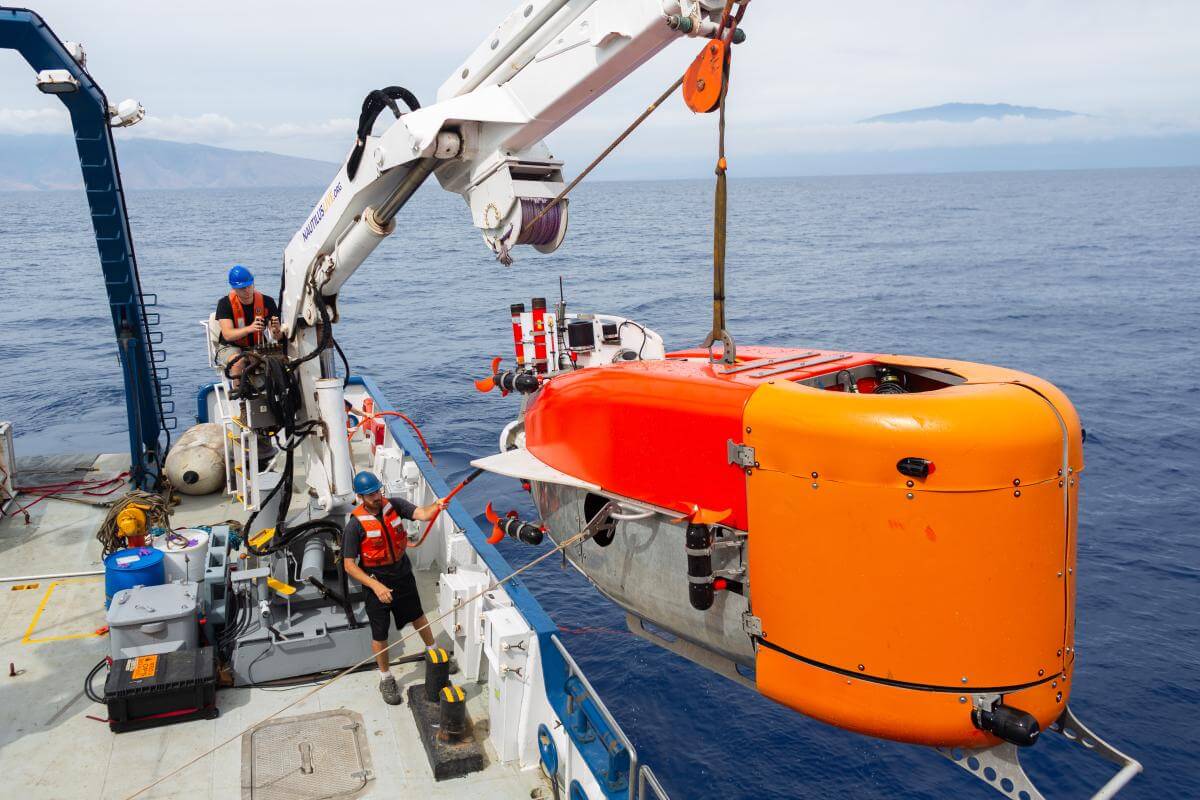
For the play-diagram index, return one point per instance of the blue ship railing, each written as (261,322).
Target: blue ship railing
(143,367)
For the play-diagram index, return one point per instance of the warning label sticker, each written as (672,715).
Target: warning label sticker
(143,666)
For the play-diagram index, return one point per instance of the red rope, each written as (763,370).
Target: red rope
(94,483)
(412,425)
(164,715)
(88,487)
(366,417)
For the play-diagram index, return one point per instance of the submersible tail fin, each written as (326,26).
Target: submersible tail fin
(1000,765)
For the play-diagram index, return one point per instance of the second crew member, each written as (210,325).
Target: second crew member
(373,545)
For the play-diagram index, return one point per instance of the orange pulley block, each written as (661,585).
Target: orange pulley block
(703,79)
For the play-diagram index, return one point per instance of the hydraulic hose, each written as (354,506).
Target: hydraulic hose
(373,105)
(90,690)
(296,534)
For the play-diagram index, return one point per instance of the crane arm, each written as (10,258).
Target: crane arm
(483,138)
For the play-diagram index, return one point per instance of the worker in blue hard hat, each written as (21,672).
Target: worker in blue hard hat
(373,551)
(243,315)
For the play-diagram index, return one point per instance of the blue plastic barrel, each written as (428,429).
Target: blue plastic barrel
(133,566)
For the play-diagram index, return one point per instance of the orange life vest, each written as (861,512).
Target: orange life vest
(382,544)
(240,321)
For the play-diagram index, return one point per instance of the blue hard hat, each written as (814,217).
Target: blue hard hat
(240,277)
(366,483)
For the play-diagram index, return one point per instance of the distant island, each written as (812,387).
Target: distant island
(970,112)
(34,163)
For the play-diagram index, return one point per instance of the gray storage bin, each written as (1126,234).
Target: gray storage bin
(146,620)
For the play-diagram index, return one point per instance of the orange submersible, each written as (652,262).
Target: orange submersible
(885,543)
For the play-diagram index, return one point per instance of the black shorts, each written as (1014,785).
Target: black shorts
(404,608)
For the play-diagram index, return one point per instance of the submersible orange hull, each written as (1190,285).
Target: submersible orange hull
(886,542)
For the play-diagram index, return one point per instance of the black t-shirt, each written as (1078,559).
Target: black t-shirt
(225,310)
(352,543)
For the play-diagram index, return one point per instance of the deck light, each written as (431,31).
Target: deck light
(125,114)
(76,51)
(57,81)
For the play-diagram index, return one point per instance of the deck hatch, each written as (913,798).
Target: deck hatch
(322,756)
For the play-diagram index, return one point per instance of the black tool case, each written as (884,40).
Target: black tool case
(161,689)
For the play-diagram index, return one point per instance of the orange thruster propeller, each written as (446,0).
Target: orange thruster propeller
(511,525)
(494,518)
(489,383)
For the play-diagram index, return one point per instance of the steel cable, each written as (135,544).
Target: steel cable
(596,162)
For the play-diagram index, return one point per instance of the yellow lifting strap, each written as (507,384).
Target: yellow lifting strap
(719,333)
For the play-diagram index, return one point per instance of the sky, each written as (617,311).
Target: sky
(289,77)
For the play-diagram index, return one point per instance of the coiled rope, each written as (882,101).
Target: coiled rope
(576,539)
(155,507)
(543,229)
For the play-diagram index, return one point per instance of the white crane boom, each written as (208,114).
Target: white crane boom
(483,137)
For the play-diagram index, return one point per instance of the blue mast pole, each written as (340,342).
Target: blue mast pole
(142,367)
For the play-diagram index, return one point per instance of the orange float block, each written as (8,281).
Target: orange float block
(915,590)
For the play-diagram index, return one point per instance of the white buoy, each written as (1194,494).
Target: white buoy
(196,463)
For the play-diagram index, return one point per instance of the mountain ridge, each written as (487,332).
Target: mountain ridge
(39,162)
(969,112)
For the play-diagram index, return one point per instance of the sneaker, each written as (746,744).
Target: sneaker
(390,691)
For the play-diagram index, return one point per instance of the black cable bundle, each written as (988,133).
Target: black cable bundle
(373,105)
(281,390)
(284,397)
(88,688)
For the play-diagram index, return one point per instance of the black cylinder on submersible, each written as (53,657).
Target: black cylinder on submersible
(699,566)
(522,531)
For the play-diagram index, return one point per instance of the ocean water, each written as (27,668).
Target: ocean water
(1089,279)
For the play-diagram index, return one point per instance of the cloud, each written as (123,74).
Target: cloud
(681,133)
(322,139)
(34,121)
(212,128)
(689,138)
(289,79)
(288,66)
(293,138)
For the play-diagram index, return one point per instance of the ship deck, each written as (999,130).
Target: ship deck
(54,742)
